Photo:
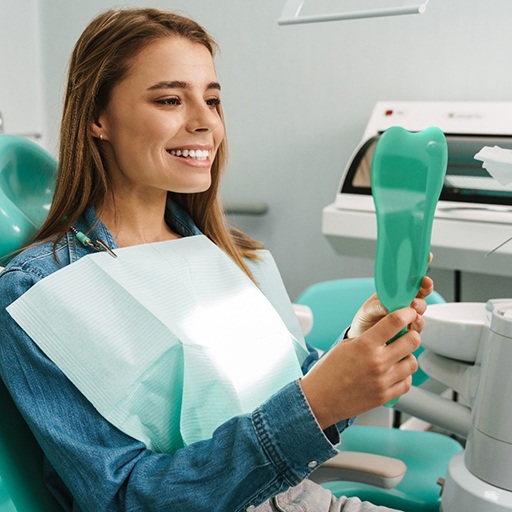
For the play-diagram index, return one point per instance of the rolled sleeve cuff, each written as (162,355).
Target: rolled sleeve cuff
(290,435)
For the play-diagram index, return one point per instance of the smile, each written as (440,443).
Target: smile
(197,154)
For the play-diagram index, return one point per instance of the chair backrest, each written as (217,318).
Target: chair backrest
(27,177)
(22,488)
(27,182)
(334,304)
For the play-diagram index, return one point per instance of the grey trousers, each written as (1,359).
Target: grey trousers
(311,497)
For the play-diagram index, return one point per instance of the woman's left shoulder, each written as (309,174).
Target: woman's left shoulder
(33,264)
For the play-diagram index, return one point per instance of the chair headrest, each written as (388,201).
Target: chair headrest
(27,184)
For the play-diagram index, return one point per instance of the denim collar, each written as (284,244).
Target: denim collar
(90,224)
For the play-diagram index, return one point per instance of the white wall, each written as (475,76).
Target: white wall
(21,88)
(297,100)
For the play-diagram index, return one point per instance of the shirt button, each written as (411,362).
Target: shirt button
(251,508)
(312,464)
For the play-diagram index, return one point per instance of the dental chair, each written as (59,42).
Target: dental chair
(426,454)
(27,176)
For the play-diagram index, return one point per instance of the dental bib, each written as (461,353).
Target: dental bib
(169,340)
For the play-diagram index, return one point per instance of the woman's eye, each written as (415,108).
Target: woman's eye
(213,102)
(169,101)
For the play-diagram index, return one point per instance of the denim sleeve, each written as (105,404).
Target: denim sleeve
(248,459)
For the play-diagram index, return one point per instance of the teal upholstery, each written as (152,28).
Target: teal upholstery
(426,454)
(27,176)
(22,488)
(27,180)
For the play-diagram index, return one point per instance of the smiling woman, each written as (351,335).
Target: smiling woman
(142,83)
(174,376)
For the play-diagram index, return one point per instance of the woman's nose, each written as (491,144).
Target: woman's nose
(203,117)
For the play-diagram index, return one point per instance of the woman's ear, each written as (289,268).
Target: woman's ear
(98,130)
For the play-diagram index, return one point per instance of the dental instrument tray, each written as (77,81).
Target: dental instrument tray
(474,213)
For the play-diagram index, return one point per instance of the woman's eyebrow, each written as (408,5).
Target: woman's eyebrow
(178,84)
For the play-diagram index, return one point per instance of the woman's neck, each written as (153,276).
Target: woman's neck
(134,223)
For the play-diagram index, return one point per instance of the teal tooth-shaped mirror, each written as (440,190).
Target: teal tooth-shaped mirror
(407,175)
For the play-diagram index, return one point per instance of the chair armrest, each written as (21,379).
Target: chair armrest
(305,316)
(366,468)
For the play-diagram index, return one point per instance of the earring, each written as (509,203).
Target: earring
(101,137)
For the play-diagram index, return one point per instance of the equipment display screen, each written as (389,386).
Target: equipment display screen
(466,180)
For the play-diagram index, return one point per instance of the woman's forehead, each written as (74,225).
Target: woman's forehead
(172,59)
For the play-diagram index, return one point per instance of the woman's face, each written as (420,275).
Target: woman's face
(161,129)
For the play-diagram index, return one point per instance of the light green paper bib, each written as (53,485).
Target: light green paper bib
(169,340)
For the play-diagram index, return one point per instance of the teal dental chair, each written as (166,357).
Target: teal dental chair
(27,176)
(426,454)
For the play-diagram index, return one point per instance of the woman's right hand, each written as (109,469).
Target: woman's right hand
(372,310)
(364,372)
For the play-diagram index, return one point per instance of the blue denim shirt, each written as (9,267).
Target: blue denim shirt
(92,466)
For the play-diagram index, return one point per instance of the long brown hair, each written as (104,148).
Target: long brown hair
(100,60)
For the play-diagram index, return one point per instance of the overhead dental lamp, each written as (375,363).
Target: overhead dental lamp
(351,9)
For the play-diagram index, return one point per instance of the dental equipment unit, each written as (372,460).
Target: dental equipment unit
(474,213)
(468,347)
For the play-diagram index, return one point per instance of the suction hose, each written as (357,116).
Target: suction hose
(435,409)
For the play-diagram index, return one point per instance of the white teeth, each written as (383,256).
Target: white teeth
(198,154)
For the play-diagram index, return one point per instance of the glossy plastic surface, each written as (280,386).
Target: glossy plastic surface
(27,180)
(455,329)
(407,175)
